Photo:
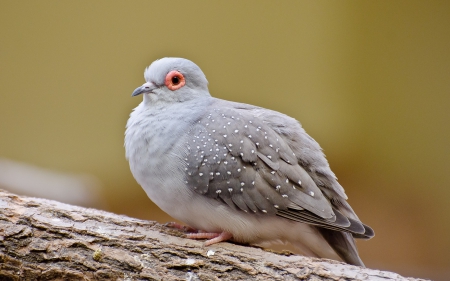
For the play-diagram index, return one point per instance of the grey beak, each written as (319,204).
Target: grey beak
(145,88)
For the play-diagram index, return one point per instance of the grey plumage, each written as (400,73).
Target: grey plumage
(222,166)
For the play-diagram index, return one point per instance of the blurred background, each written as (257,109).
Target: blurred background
(369,80)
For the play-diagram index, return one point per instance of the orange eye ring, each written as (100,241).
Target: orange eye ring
(174,80)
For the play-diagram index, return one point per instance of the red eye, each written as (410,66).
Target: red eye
(174,80)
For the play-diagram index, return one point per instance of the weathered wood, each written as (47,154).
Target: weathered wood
(46,240)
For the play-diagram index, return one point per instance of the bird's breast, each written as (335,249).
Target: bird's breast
(154,147)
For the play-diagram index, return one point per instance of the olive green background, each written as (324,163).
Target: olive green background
(369,80)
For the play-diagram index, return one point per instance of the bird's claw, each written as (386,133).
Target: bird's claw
(213,238)
(192,233)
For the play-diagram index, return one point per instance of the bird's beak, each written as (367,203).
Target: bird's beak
(145,88)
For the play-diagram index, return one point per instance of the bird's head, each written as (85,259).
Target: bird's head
(171,80)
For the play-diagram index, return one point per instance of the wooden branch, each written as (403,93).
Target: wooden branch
(46,240)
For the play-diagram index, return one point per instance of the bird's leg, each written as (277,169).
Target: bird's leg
(213,238)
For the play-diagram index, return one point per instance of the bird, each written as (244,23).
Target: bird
(235,172)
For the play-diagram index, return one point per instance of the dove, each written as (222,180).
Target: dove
(235,172)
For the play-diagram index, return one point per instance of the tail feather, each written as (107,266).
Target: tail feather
(344,245)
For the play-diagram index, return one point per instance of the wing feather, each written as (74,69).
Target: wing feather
(256,165)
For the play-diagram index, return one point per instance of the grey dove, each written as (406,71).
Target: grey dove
(235,171)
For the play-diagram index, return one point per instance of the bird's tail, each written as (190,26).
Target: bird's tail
(343,244)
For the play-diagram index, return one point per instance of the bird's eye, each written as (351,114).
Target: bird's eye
(174,80)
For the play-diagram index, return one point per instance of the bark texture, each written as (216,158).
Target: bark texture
(46,240)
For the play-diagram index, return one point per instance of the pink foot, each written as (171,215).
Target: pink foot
(213,238)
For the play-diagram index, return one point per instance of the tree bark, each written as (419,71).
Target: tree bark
(46,240)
